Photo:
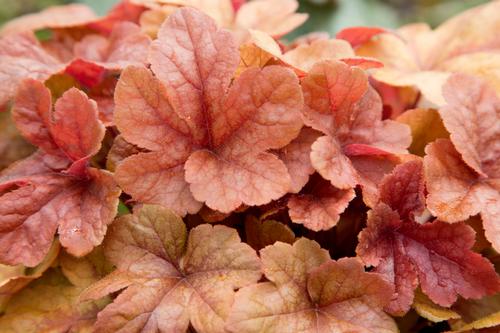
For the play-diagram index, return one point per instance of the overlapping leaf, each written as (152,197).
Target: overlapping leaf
(208,139)
(421,57)
(55,189)
(358,146)
(51,303)
(261,48)
(125,46)
(261,233)
(171,278)
(463,175)
(436,254)
(15,278)
(309,292)
(274,17)
(21,57)
(319,205)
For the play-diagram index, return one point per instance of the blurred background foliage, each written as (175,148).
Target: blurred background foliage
(326,15)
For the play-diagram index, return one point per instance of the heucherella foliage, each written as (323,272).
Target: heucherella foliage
(436,254)
(207,135)
(179,166)
(171,277)
(55,188)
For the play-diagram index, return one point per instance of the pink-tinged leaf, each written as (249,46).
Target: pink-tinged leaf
(158,177)
(438,253)
(221,127)
(320,205)
(28,220)
(55,17)
(171,278)
(72,128)
(198,59)
(456,191)
(223,185)
(340,103)
(296,154)
(81,209)
(403,189)
(419,56)
(261,48)
(32,115)
(76,128)
(331,87)
(371,170)
(308,292)
(35,164)
(41,193)
(303,57)
(89,207)
(359,35)
(332,164)
(452,185)
(139,95)
(21,57)
(472,116)
(126,45)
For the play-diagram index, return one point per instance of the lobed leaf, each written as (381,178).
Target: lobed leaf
(171,278)
(218,130)
(309,292)
(436,254)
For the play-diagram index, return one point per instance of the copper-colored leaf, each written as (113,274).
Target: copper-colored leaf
(296,154)
(126,45)
(309,292)
(418,56)
(319,206)
(75,126)
(41,194)
(407,252)
(472,116)
(202,124)
(171,278)
(403,189)
(340,104)
(275,17)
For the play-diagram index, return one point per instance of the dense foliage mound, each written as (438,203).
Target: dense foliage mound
(177,166)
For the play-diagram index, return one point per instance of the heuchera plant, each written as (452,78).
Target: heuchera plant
(178,166)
